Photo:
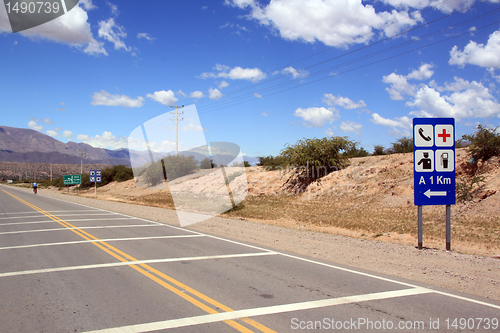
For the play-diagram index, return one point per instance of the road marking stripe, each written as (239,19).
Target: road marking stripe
(468,299)
(146,269)
(79,220)
(35,216)
(136,262)
(292,256)
(103,240)
(54,211)
(79,228)
(268,310)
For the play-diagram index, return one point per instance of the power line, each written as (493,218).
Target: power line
(359,59)
(247,97)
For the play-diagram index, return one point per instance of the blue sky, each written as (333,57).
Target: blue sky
(261,74)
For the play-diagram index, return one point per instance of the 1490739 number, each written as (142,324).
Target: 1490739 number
(32,7)
(472,323)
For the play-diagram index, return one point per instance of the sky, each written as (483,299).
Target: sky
(260,74)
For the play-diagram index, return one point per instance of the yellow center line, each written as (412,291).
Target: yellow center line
(146,270)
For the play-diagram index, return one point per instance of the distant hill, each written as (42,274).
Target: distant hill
(28,146)
(22,145)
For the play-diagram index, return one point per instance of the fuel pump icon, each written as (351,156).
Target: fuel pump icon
(444,160)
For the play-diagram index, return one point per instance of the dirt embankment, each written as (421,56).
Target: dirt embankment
(372,199)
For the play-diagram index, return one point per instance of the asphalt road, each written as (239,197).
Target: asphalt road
(71,268)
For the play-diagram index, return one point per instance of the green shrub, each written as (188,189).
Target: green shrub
(465,187)
(272,162)
(207,164)
(319,157)
(378,150)
(484,143)
(173,166)
(353,150)
(403,145)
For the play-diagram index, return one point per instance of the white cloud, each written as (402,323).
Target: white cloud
(343,102)
(113,33)
(163,97)
(47,121)
(333,23)
(193,127)
(106,140)
(351,126)
(214,94)
(478,54)
(114,8)
(467,100)
(402,122)
(72,28)
(329,132)
(265,114)
(140,144)
(104,98)
(317,117)
(34,126)
(400,126)
(422,73)
(400,85)
(257,95)
(444,6)
(223,85)
(54,134)
(236,73)
(295,73)
(197,94)
(145,36)
(87,4)
(67,134)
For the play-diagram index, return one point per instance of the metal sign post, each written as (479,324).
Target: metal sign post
(72,180)
(95,176)
(434,167)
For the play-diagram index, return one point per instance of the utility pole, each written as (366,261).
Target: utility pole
(176,121)
(83,154)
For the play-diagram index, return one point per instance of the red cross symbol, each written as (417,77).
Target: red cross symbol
(444,135)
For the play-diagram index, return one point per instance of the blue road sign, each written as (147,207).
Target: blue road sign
(95,176)
(434,161)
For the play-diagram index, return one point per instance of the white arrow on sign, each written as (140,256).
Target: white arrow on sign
(430,193)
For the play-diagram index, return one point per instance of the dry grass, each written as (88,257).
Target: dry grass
(371,199)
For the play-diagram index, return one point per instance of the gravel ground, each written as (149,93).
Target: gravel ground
(467,273)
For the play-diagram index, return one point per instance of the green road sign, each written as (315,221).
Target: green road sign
(72,180)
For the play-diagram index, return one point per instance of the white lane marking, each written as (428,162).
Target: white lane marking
(80,220)
(97,227)
(468,299)
(268,310)
(350,270)
(110,211)
(54,211)
(100,240)
(41,214)
(138,262)
(284,254)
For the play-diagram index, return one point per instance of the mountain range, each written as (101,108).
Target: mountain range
(23,145)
